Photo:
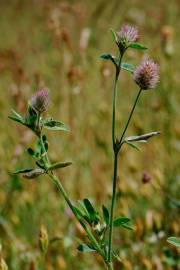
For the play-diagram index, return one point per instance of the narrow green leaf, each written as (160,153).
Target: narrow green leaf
(31,152)
(16,114)
(174,241)
(40,164)
(90,209)
(145,137)
(54,125)
(16,117)
(137,46)
(121,220)
(133,145)
(106,56)
(82,214)
(128,67)
(59,165)
(114,35)
(22,171)
(39,149)
(86,248)
(81,203)
(105,215)
(126,226)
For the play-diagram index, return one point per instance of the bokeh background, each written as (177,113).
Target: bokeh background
(57,44)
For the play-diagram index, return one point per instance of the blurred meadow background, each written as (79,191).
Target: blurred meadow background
(57,44)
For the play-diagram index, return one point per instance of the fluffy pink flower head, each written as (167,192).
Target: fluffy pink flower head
(127,35)
(146,75)
(40,100)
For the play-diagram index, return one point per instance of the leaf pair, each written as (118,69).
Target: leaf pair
(122,222)
(31,118)
(115,61)
(88,212)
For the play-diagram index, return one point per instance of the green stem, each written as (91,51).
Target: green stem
(39,134)
(118,69)
(129,119)
(112,207)
(38,122)
(44,150)
(114,112)
(88,232)
(117,148)
(109,266)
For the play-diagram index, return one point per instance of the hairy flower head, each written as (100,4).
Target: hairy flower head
(146,75)
(40,100)
(127,35)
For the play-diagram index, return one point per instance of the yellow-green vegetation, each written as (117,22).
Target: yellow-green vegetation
(57,44)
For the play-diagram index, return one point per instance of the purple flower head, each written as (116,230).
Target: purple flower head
(146,75)
(40,100)
(127,35)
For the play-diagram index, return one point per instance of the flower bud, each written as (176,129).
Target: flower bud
(40,101)
(43,239)
(146,178)
(127,35)
(146,75)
